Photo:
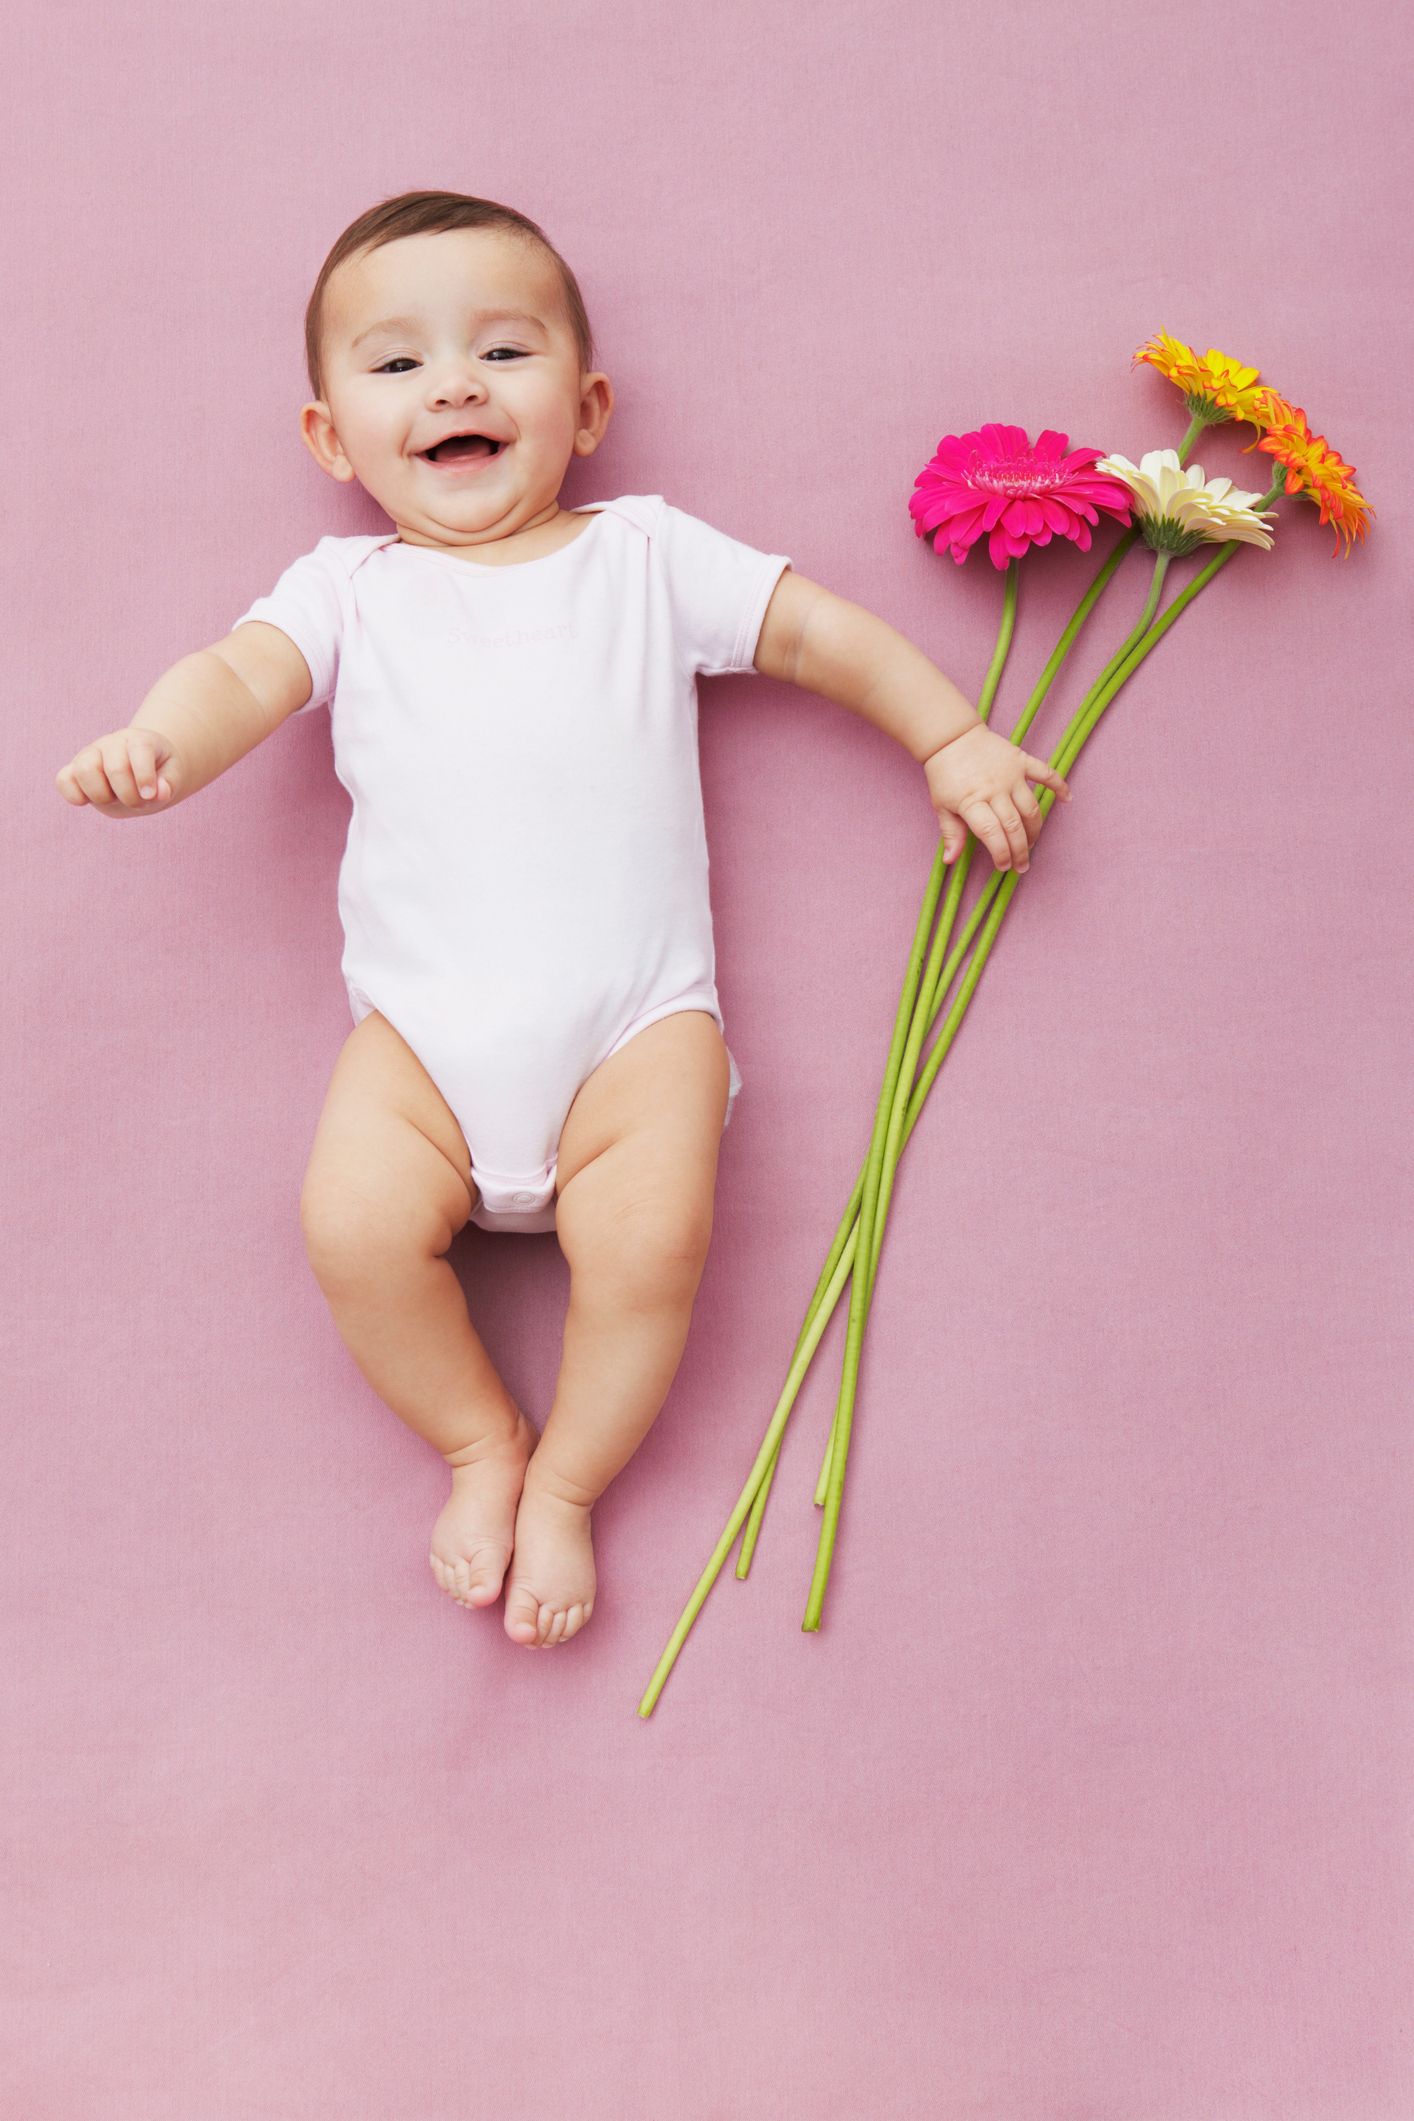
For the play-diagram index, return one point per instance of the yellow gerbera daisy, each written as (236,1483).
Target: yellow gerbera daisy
(1214,388)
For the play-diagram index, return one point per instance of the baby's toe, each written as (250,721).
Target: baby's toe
(472,1579)
(481,1573)
(566,1623)
(522,1614)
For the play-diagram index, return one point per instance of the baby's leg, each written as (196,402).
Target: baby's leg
(387,1189)
(637,1169)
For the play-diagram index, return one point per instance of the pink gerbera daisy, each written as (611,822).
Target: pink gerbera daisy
(994,480)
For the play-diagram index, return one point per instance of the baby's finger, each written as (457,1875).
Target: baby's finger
(1030,810)
(1038,770)
(142,754)
(988,829)
(87,770)
(118,767)
(954,835)
(1018,842)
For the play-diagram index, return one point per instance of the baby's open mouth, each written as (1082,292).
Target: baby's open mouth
(461,446)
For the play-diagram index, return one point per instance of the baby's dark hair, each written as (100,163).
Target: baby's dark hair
(426,213)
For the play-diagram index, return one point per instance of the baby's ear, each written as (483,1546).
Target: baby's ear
(322,441)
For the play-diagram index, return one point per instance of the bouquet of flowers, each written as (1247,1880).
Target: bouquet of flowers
(992,482)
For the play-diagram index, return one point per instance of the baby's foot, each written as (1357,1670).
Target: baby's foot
(472,1539)
(550,1594)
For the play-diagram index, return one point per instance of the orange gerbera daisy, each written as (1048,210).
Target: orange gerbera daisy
(1310,465)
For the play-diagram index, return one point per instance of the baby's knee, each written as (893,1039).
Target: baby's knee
(354,1232)
(641,1250)
(376,1190)
(340,1228)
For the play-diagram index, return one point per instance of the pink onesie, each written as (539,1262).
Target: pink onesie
(524,884)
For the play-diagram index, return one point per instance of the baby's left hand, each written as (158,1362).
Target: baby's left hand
(980,782)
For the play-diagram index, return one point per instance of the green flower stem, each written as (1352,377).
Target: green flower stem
(805,1348)
(956,883)
(920,937)
(1156,634)
(836,1271)
(830,1283)
(1100,583)
(934,987)
(870,1244)
(842,1252)
(861,1285)
(1002,883)
(1073,741)
(1103,576)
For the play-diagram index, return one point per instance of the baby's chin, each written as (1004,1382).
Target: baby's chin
(496,514)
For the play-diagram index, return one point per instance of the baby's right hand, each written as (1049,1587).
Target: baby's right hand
(120,775)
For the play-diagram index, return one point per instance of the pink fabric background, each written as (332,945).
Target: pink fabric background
(1090,1800)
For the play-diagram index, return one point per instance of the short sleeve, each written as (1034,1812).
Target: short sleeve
(307,603)
(718,589)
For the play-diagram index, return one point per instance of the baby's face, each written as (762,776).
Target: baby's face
(449,362)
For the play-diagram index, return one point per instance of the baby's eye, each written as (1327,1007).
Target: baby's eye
(516,353)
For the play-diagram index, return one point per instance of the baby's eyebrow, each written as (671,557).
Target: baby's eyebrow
(485,316)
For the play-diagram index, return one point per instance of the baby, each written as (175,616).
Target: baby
(529,960)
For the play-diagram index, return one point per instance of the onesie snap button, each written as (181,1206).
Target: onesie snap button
(523,1197)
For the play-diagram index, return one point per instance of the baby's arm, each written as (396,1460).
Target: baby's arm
(977,779)
(202,715)
(813,638)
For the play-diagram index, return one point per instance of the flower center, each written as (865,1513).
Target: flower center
(1013,475)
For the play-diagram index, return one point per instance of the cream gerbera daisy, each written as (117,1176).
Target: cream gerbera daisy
(1178,508)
